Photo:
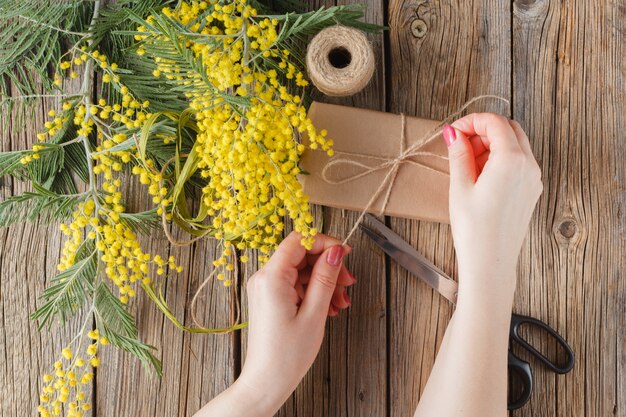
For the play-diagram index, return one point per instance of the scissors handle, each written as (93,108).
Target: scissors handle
(519,320)
(520,370)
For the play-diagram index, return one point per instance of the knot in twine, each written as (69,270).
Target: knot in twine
(393,164)
(340,61)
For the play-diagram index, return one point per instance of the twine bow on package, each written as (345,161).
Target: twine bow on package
(383,163)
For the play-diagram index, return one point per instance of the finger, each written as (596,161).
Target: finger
(299,290)
(322,283)
(481,160)
(311,258)
(522,138)
(478,145)
(318,247)
(333,311)
(304,276)
(323,242)
(494,128)
(291,254)
(340,298)
(345,276)
(461,158)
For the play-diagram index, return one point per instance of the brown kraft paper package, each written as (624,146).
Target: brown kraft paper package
(368,139)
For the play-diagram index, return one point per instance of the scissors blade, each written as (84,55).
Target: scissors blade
(410,259)
(400,243)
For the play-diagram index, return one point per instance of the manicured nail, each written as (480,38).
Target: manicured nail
(335,254)
(449,135)
(351,276)
(347,298)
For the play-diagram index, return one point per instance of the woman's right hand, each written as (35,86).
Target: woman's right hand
(495,183)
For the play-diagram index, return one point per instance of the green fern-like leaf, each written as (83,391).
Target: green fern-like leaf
(107,33)
(70,289)
(111,35)
(33,34)
(145,86)
(62,158)
(189,66)
(141,222)
(10,164)
(41,204)
(70,161)
(116,324)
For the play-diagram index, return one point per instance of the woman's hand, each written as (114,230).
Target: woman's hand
(494,186)
(289,300)
(495,183)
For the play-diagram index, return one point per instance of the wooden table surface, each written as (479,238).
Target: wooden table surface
(562,66)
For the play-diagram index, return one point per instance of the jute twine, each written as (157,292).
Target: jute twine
(393,164)
(235,261)
(355,48)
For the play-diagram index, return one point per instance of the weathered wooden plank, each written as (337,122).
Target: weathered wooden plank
(535,34)
(569,96)
(211,359)
(26,353)
(442,54)
(349,376)
(29,254)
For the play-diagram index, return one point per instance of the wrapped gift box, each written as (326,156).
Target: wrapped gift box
(365,144)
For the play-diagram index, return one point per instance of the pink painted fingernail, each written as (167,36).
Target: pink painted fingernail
(347,298)
(335,254)
(449,135)
(351,276)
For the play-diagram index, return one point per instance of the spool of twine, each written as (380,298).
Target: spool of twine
(340,61)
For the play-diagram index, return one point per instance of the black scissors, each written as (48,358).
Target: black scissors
(413,261)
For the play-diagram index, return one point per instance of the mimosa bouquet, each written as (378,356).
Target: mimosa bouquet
(204,102)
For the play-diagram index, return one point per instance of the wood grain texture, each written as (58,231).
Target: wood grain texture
(562,66)
(441,55)
(568,84)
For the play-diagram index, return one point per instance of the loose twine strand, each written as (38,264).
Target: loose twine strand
(194,300)
(395,163)
(234,286)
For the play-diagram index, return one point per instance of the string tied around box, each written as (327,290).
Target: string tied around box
(393,164)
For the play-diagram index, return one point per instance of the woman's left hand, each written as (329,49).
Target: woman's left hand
(289,300)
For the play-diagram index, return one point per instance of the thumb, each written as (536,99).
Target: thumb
(461,158)
(323,282)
